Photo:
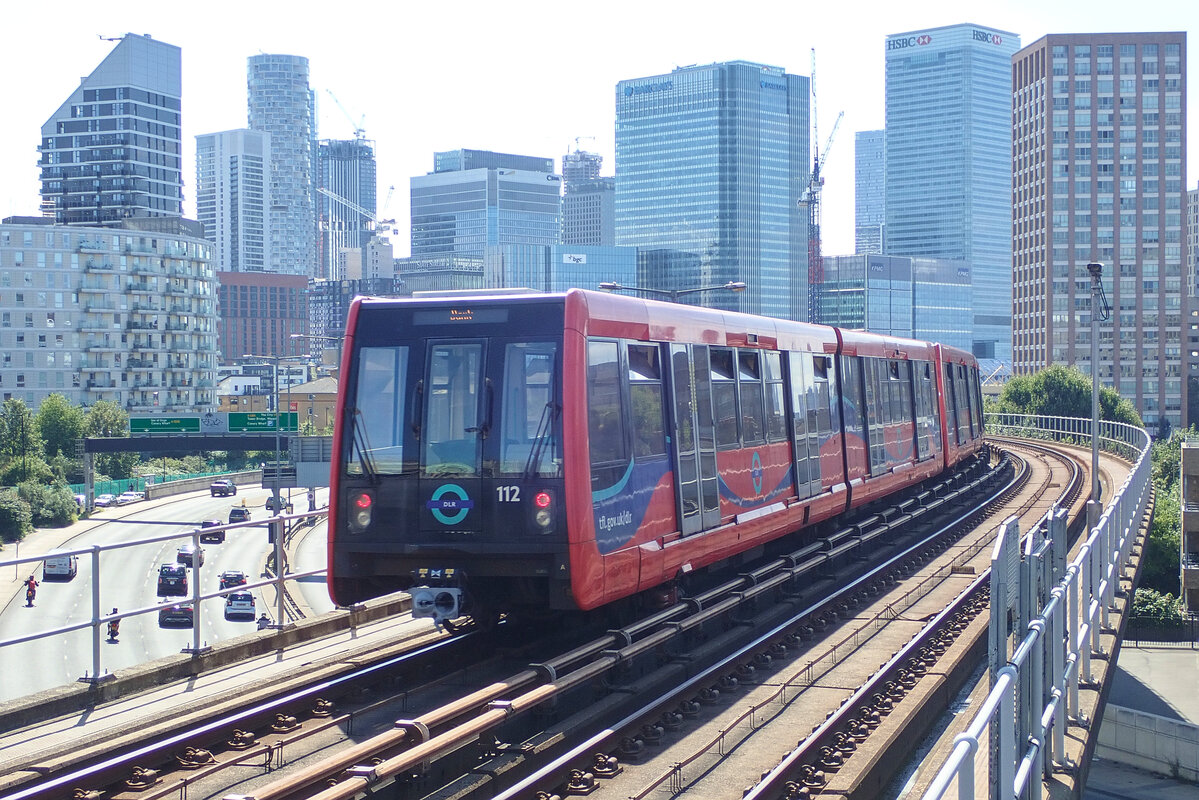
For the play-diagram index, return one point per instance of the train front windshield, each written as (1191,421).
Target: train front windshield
(477,406)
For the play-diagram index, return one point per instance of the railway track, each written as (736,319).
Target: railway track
(794,627)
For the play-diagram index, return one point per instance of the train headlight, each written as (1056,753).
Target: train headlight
(543,517)
(361,511)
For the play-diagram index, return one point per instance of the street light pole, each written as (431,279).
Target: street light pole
(1095,505)
(672,294)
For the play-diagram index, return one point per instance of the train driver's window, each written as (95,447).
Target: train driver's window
(379,409)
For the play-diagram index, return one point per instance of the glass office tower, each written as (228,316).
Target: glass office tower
(949,162)
(869,191)
(710,165)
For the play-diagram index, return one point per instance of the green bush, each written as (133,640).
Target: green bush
(51,506)
(16,521)
(1163,609)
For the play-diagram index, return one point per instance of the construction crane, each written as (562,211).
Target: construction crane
(377,225)
(359,126)
(810,199)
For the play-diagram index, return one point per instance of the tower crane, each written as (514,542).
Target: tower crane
(379,225)
(810,199)
(359,127)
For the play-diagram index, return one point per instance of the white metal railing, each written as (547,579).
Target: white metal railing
(277,525)
(1056,651)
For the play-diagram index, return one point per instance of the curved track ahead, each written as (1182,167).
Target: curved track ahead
(695,631)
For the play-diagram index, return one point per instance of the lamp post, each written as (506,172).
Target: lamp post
(672,294)
(1095,505)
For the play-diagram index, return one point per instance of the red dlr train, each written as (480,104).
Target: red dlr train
(503,452)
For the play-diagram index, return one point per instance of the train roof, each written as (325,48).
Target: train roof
(602,313)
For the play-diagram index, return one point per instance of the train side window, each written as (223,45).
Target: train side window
(645,392)
(382,374)
(749,379)
(605,422)
(776,412)
(724,397)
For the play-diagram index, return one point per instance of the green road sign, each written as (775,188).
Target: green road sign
(164,424)
(261,422)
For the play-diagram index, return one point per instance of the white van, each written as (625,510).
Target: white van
(61,568)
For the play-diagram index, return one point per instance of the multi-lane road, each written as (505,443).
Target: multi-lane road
(128,581)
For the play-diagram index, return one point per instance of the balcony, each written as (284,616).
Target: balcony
(86,246)
(139,363)
(99,308)
(142,288)
(147,269)
(141,326)
(100,384)
(146,308)
(97,266)
(93,287)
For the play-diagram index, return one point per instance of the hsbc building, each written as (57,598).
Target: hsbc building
(948,146)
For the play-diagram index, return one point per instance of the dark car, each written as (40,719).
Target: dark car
(278,504)
(172,580)
(179,615)
(215,537)
(232,577)
(223,488)
(239,514)
(189,555)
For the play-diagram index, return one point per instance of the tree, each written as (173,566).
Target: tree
(60,424)
(20,441)
(15,518)
(107,419)
(1063,392)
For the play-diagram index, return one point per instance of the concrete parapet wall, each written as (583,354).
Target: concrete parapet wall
(1149,742)
(77,697)
(156,490)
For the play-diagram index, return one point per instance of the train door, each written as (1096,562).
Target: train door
(684,445)
(456,418)
(693,445)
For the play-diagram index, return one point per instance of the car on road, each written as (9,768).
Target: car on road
(180,615)
(239,514)
(223,488)
(232,577)
(128,497)
(172,580)
(214,537)
(187,554)
(278,504)
(105,500)
(239,604)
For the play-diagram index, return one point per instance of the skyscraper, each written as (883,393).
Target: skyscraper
(710,165)
(347,170)
(281,104)
(1099,163)
(588,201)
(112,150)
(870,191)
(233,198)
(949,162)
(476,198)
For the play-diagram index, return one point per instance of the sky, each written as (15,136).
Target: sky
(531,77)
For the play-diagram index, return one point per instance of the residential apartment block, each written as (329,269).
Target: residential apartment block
(233,198)
(126,314)
(112,151)
(1098,171)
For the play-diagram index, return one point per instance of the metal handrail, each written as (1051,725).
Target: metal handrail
(1064,637)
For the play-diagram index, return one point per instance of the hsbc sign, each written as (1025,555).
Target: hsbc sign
(909,41)
(987,36)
